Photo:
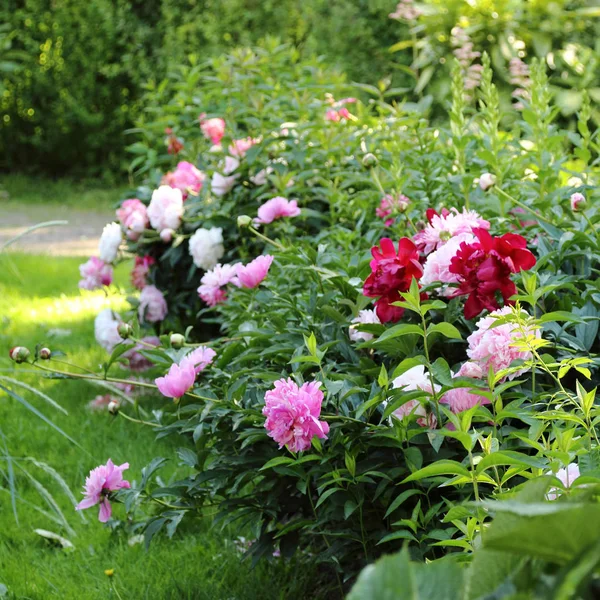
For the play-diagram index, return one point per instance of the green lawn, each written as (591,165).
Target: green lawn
(38,294)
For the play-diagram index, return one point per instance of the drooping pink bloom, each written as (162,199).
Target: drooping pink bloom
(390,204)
(344,113)
(239,147)
(186,178)
(494,346)
(213,129)
(179,379)
(98,487)
(442,227)
(133,216)
(364,317)
(200,358)
(213,281)
(96,273)
(137,361)
(416,378)
(293,414)
(153,306)
(567,477)
(277,208)
(140,271)
(252,274)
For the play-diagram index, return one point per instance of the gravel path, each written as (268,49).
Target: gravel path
(78,238)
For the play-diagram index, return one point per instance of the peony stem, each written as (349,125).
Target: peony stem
(266,239)
(522,205)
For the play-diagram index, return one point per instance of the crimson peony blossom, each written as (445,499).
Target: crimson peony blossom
(277,208)
(252,274)
(98,486)
(391,273)
(293,414)
(95,274)
(140,271)
(484,268)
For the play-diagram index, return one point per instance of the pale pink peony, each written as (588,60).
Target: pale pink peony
(486,181)
(230,165)
(186,178)
(96,273)
(276,208)
(178,380)
(493,347)
(221,185)
(140,271)
(213,129)
(472,370)
(463,398)
(447,225)
(166,208)
(567,477)
(240,147)
(293,414)
(153,306)
(106,326)
(212,283)
(390,204)
(251,275)
(414,407)
(133,216)
(262,176)
(98,487)
(416,378)
(364,316)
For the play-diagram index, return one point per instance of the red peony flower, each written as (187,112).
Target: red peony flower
(484,269)
(391,273)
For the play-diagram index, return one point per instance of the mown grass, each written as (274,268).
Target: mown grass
(38,294)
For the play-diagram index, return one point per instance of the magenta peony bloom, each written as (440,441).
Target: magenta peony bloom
(95,273)
(251,275)
(186,178)
(133,216)
(292,414)
(276,208)
(213,129)
(493,347)
(140,271)
(153,306)
(332,115)
(179,379)
(98,486)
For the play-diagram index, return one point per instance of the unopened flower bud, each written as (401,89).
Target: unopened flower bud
(19,354)
(113,407)
(177,341)
(125,330)
(578,202)
(244,221)
(369,160)
(486,181)
(166,235)
(45,353)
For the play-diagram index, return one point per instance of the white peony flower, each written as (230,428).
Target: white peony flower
(220,185)
(486,181)
(231,164)
(109,242)
(106,329)
(166,208)
(364,316)
(206,247)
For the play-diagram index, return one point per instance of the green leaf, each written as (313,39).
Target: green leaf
(397,535)
(398,331)
(446,329)
(509,458)
(275,462)
(441,467)
(399,500)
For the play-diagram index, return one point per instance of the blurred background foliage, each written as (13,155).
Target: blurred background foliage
(72,73)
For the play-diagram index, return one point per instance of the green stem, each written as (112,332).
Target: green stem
(266,239)
(122,414)
(522,205)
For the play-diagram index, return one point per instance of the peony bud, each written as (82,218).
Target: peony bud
(486,181)
(369,160)
(19,354)
(45,353)
(113,407)
(244,221)
(177,341)
(578,202)
(125,330)
(166,235)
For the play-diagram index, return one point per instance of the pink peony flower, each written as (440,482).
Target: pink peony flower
(98,487)
(364,316)
(292,414)
(578,202)
(153,306)
(276,208)
(463,398)
(212,283)
(390,204)
(133,216)
(200,358)
(240,147)
(332,115)
(95,273)
(186,178)
(251,275)
(567,477)
(493,347)
(178,380)
(445,226)
(221,185)
(140,271)
(213,129)
(230,165)
(166,208)
(416,378)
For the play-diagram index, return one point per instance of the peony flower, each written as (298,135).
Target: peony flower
(220,185)
(463,398)
(416,378)
(186,178)
(240,147)
(137,361)
(261,177)
(292,414)
(578,202)
(494,346)
(332,115)
(231,164)
(212,283)
(391,273)
(153,306)
(484,268)
(437,264)
(200,358)
(109,242)
(178,380)
(567,477)
(486,181)
(98,487)
(206,247)
(213,129)
(166,235)
(390,204)
(95,273)
(133,216)
(140,271)
(277,208)
(106,326)
(166,208)
(364,316)
(405,11)
(442,227)
(251,275)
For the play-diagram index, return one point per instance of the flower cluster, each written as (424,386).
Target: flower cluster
(338,109)
(391,204)
(464,53)
(520,78)
(405,11)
